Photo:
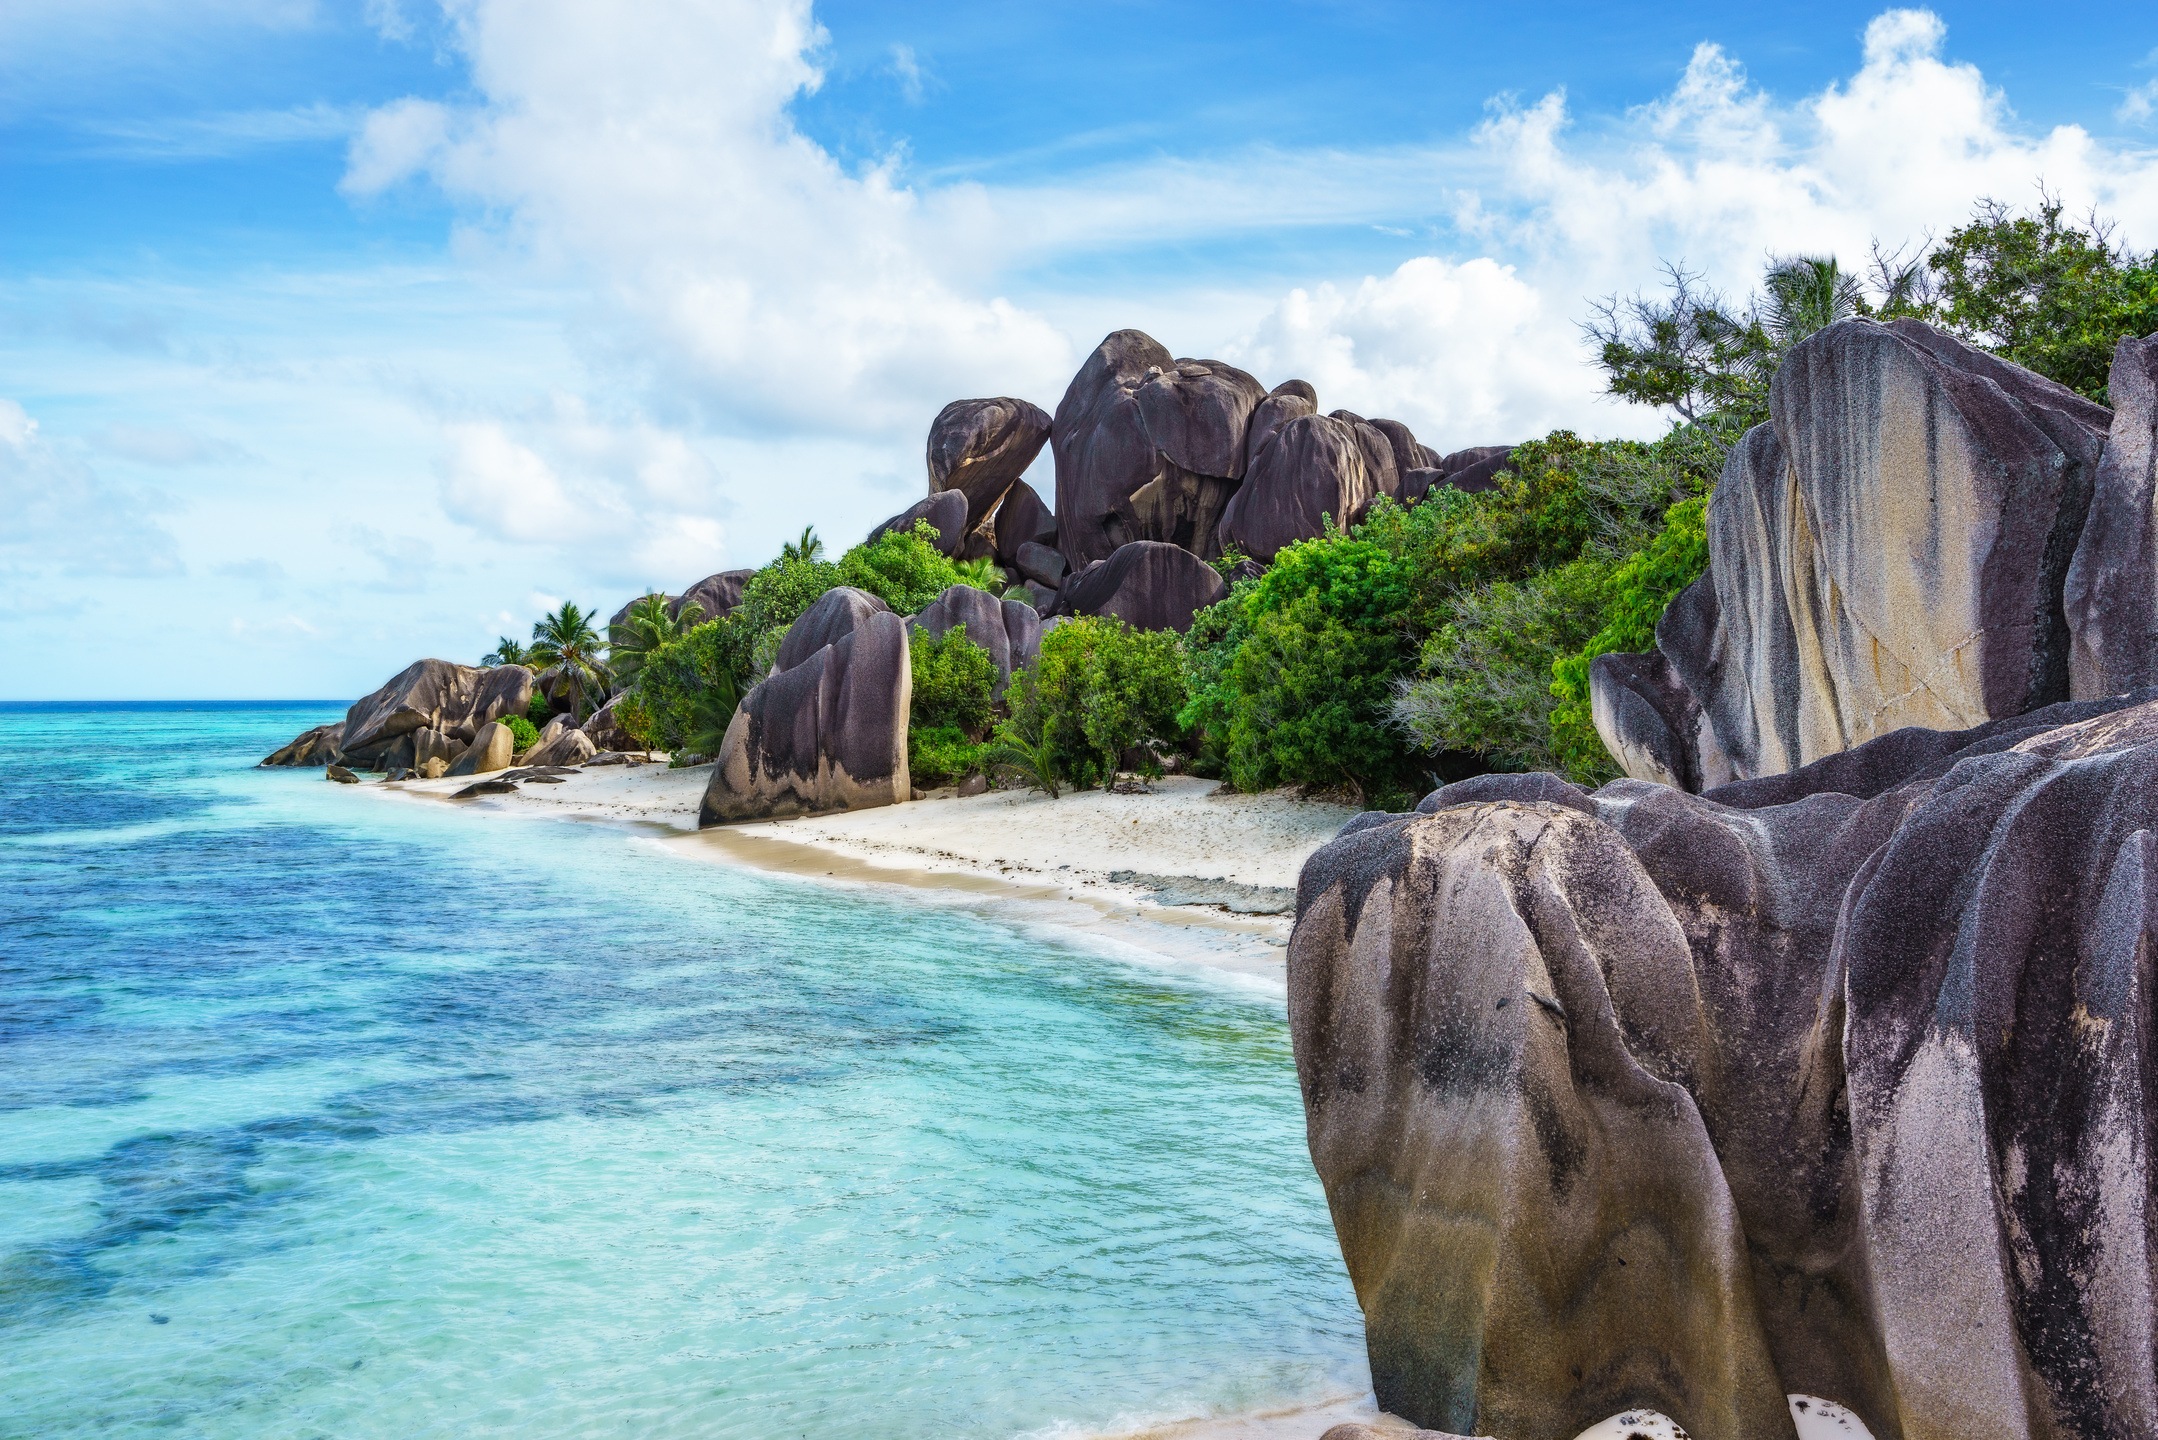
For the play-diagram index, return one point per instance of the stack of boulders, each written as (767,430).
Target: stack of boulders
(429,714)
(1836,1078)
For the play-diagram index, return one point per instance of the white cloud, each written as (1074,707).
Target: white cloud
(57,517)
(222,134)
(172,446)
(762,283)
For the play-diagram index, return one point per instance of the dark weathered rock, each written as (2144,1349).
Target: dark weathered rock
(491,749)
(485,787)
(836,613)
(1652,724)
(1377,448)
(715,595)
(1309,468)
(564,747)
(1891,550)
(435,694)
(829,733)
(1009,630)
(1290,400)
(605,729)
(981,447)
(946,510)
(340,774)
(1476,468)
(318,746)
(1147,584)
(1835,1082)
(1147,448)
(1020,521)
(1390,1432)
(1042,565)
(2111,595)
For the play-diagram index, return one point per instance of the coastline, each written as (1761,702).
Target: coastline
(1177,872)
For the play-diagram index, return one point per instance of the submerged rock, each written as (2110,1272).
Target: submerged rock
(318,746)
(340,774)
(1834,1083)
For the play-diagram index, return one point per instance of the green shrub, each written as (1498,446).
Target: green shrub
(1633,601)
(1290,677)
(1099,690)
(904,569)
(522,733)
(539,709)
(954,680)
(687,691)
(942,755)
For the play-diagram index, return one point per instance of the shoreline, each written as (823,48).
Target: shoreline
(1178,872)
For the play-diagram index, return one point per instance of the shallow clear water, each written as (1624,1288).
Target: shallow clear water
(322,1114)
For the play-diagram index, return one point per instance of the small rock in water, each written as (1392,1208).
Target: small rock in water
(341,775)
(487,787)
(160,1319)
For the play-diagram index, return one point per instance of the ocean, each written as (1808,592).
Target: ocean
(324,1114)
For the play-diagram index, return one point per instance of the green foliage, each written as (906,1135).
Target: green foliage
(983,574)
(954,679)
(1290,676)
(523,734)
(1020,748)
(1633,600)
(1099,690)
(539,709)
(647,626)
(566,643)
(942,755)
(2051,297)
(686,691)
(808,547)
(506,652)
(904,569)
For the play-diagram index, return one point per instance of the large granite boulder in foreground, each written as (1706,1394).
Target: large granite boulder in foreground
(1890,550)
(1148,584)
(1838,1082)
(1148,447)
(1009,631)
(2111,597)
(981,447)
(826,732)
(427,694)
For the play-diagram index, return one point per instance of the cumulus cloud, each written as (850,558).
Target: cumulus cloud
(651,149)
(630,500)
(57,517)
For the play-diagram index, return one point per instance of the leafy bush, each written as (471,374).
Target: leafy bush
(687,691)
(522,733)
(539,709)
(904,569)
(954,679)
(1099,690)
(1633,601)
(1291,675)
(942,755)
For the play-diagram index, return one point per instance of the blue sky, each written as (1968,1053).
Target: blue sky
(336,334)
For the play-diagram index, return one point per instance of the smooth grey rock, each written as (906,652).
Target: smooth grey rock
(318,746)
(1834,1082)
(981,447)
(340,774)
(1310,468)
(1147,448)
(2111,595)
(1009,630)
(973,785)
(1290,400)
(1377,448)
(491,749)
(1042,565)
(485,787)
(566,747)
(836,613)
(435,694)
(1475,469)
(1147,584)
(1891,550)
(829,733)
(1022,520)
(715,595)
(946,510)
(605,729)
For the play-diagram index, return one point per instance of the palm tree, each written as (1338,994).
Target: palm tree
(1805,293)
(506,652)
(646,627)
(983,574)
(566,644)
(809,547)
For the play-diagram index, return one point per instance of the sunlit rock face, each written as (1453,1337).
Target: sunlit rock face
(1892,549)
(1834,1083)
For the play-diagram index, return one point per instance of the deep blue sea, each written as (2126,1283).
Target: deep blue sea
(327,1115)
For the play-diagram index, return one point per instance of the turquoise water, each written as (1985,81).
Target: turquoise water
(328,1115)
